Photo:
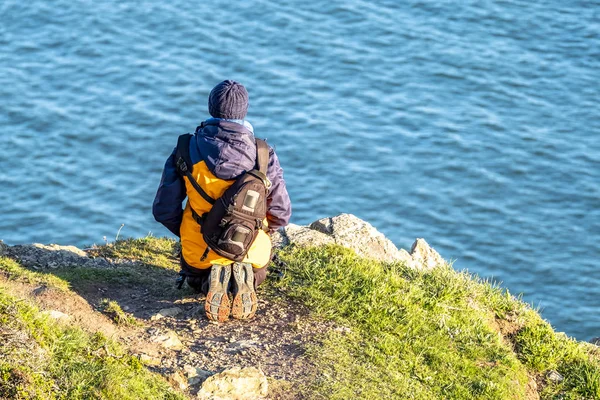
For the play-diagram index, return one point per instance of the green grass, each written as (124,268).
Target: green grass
(41,359)
(416,335)
(405,334)
(12,270)
(114,311)
(157,252)
(154,262)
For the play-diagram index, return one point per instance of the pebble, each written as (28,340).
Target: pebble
(166,312)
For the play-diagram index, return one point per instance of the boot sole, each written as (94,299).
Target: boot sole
(245,301)
(217,305)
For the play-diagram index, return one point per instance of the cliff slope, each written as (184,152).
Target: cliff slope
(344,314)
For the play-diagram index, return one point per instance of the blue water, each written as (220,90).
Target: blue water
(473,124)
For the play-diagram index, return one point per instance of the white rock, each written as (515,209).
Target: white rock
(166,312)
(235,383)
(348,231)
(149,360)
(352,232)
(554,376)
(169,340)
(57,315)
(302,236)
(195,375)
(424,256)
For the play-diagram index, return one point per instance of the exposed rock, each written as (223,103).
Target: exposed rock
(40,290)
(52,256)
(149,360)
(554,376)
(424,256)
(350,231)
(300,236)
(166,312)
(195,375)
(179,380)
(57,315)
(235,383)
(242,345)
(169,340)
(595,341)
(3,248)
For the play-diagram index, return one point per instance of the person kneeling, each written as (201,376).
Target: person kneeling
(236,197)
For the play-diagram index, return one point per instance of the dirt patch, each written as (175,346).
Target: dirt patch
(274,340)
(532,392)
(49,298)
(508,328)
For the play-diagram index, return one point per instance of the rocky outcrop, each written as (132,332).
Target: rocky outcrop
(3,249)
(350,231)
(345,230)
(424,256)
(235,384)
(40,256)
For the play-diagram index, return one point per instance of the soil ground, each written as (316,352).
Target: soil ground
(274,340)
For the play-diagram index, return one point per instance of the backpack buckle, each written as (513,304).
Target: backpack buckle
(182,165)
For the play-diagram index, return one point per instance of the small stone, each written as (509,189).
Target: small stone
(195,375)
(57,315)
(166,312)
(241,346)
(149,360)
(170,340)
(554,376)
(235,383)
(343,329)
(180,380)
(39,290)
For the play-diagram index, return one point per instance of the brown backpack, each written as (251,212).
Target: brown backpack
(233,222)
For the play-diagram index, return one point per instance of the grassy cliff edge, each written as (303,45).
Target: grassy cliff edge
(395,332)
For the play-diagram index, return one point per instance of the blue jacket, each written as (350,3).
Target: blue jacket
(229,150)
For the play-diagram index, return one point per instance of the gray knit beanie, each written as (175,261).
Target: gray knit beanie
(229,99)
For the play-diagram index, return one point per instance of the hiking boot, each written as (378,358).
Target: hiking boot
(217,304)
(245,301)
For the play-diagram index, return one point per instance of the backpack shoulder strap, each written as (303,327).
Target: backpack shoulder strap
(262,155)
(184,165)
(182,155)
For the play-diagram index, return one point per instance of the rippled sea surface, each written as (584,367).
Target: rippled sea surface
(473,124)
